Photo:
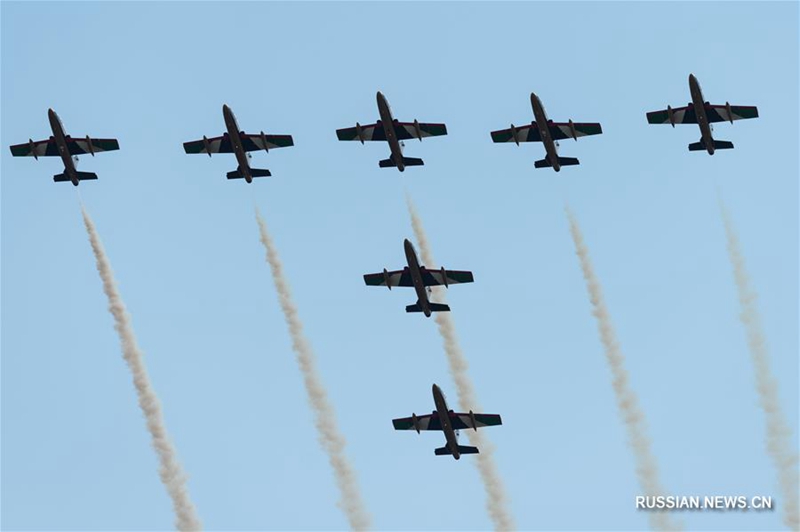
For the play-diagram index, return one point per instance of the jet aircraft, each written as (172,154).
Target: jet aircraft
(448,422)
(392,131)
(548,133)
(239,143)
(65,147)
(702,113)
(421,279)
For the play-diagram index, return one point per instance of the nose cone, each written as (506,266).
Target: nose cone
(380,97)
(535,99)
(407,245)
(51,113)
(436,389)
(692,79)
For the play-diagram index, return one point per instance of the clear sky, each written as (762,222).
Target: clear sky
(184,245)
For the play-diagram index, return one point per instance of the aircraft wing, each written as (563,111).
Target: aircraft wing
(458,421)
(680,115)
(427,422)
(408,130)
(368,132)
(213,145)
(529,133)
(265,142)
(715,113)
(726,113)
(435,277)
(395,278)
(464,421)
(565,130)
(41,148)
(48,148)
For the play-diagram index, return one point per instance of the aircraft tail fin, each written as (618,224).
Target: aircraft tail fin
(718,145)
(407,161)
(82,176)
(463,449)
(435,307)
(255,172)
(563,161)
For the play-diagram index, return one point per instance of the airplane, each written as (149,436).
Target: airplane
(448,422)
(239,143)
(421,279)
(700,112)
(65,147)
(549,133)
(392,131)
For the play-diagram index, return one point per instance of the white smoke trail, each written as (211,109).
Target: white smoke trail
(627,401)
(497,500)
(778,434)
(324,416)
(170,470)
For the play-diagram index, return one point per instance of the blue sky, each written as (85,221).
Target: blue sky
(184,246)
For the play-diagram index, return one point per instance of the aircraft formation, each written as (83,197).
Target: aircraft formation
(388,129)
(392,131)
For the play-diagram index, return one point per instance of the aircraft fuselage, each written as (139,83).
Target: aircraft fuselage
(387,121)
(61,144)
(444,418)
(236,143)
(544,131)
(416,277)
(700,112)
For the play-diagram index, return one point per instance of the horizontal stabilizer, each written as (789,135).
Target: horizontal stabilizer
(718,145)
(563,161)
(407,161)
(435,307)
(463,449)
(82,176)
(255,172)
(697,146)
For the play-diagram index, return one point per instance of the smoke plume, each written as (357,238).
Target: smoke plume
(329,436)
(627,401)
(170,470)
(779,436)
(497,501)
